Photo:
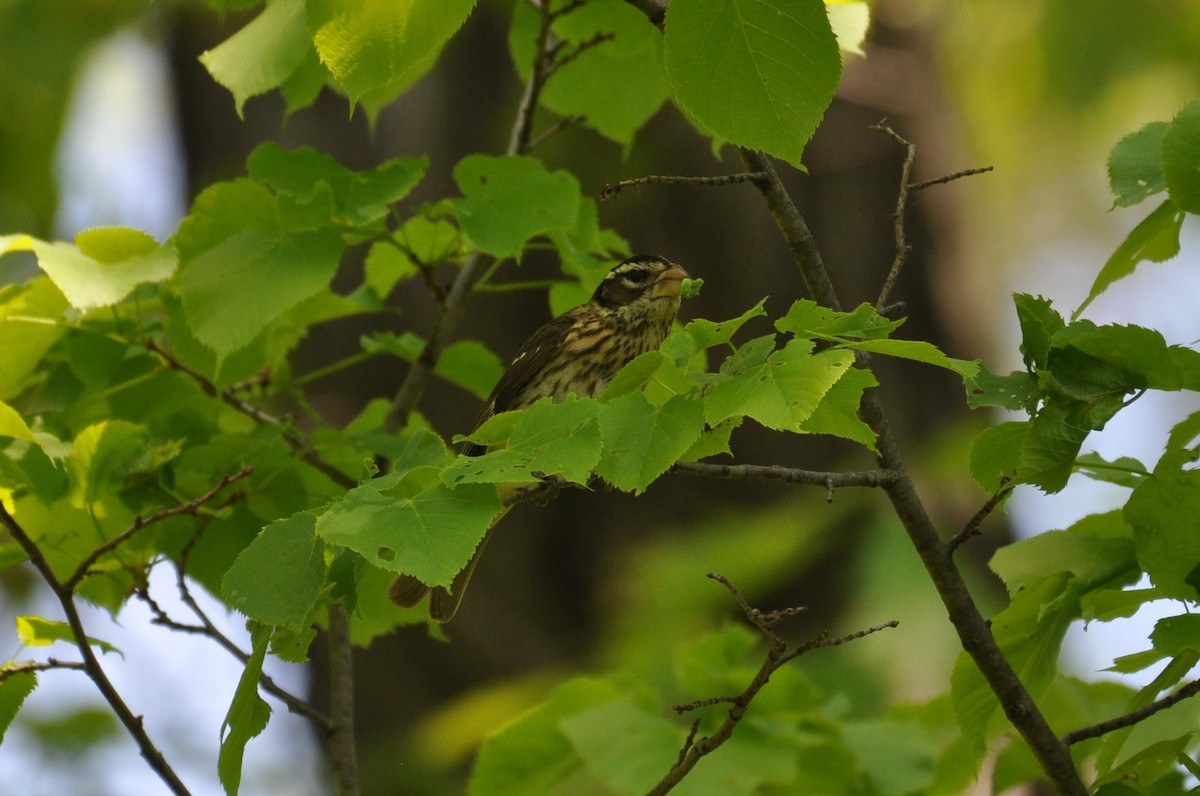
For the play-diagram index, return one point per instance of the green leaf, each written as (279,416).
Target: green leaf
(105,455)
(276,580)
(1016,392)
(837,413)
(30,323)
(11,423)
(377,48)
(1092,560)
(561,439)
(531,756)
(360,197)
(623,745)
(706,334)
(897,755)
(242,268)
(1174,635)
(616,85)
(1181,158)
(917,351)
(33,631)
(1165,514)
(807,318)
(263,54)
(104,266)
(1155,239)
(779,391)
(247,716)
(995,453)
(13,691)
(1134,165)
(466,363)
(758,74)
(508,200)
(642,441)
(713,442)
(1124,471)
(1048,456)
(1039,324)
(429,536)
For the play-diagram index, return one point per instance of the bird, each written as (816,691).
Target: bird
(579,352)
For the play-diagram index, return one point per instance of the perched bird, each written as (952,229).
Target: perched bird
(578,352)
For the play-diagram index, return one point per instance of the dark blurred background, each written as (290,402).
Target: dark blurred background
(601,579)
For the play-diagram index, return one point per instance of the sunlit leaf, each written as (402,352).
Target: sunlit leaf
(263,54)
(1134,165)
(1181,158)
(277,578)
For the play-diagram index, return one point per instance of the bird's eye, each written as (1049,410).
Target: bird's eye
(637,277)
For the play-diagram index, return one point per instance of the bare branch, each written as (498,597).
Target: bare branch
(341,678)
(1133,717)
(791,475)
(140,523)
(974,526)
(778,654)
(958,175)
(291,436)
(903,249)
(133,723)
(612,189)
(24,667)
(555,129)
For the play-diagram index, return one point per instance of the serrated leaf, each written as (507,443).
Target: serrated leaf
(1155,239)
(276,580)
(1055,436)
(837,413)
(1017,391)
(508,200)
(642,441)
(1165,514)
(377,48)
(995,453)
(263,54)
(1173,635)
(713,442)
(807,318)
(706,334)
(1134,165)
(247,716)
(561,439)
(758,74)
(105,454)
(1092,560)
(917,351)
(1181,158)
(125,258)
(34,631)
(780,392)
(242,268)
(1039,323)
(616,85)
(359,196)
(429,536)
(14,689)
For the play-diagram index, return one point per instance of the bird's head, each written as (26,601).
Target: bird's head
(647,281)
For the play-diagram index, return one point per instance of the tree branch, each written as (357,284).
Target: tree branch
(612,189)
(133,723)
(778,654)
(1133,717)
(974,526)
(341,677)
(790,475)
(958,175)
(8,670)
(903,249)
(191,507)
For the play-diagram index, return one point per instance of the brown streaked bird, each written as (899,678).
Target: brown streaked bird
(578,352)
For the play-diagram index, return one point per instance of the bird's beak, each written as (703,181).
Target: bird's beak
(669,281)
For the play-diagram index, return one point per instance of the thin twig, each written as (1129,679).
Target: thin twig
(791,475)
(958,175)
(24,667)
(903,249)
(778,654)
(611,190)
(132,722)
(294,439)
(576,51)
(1133,717)
(974,526)
(140,523)
(293,703)
(556,128)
